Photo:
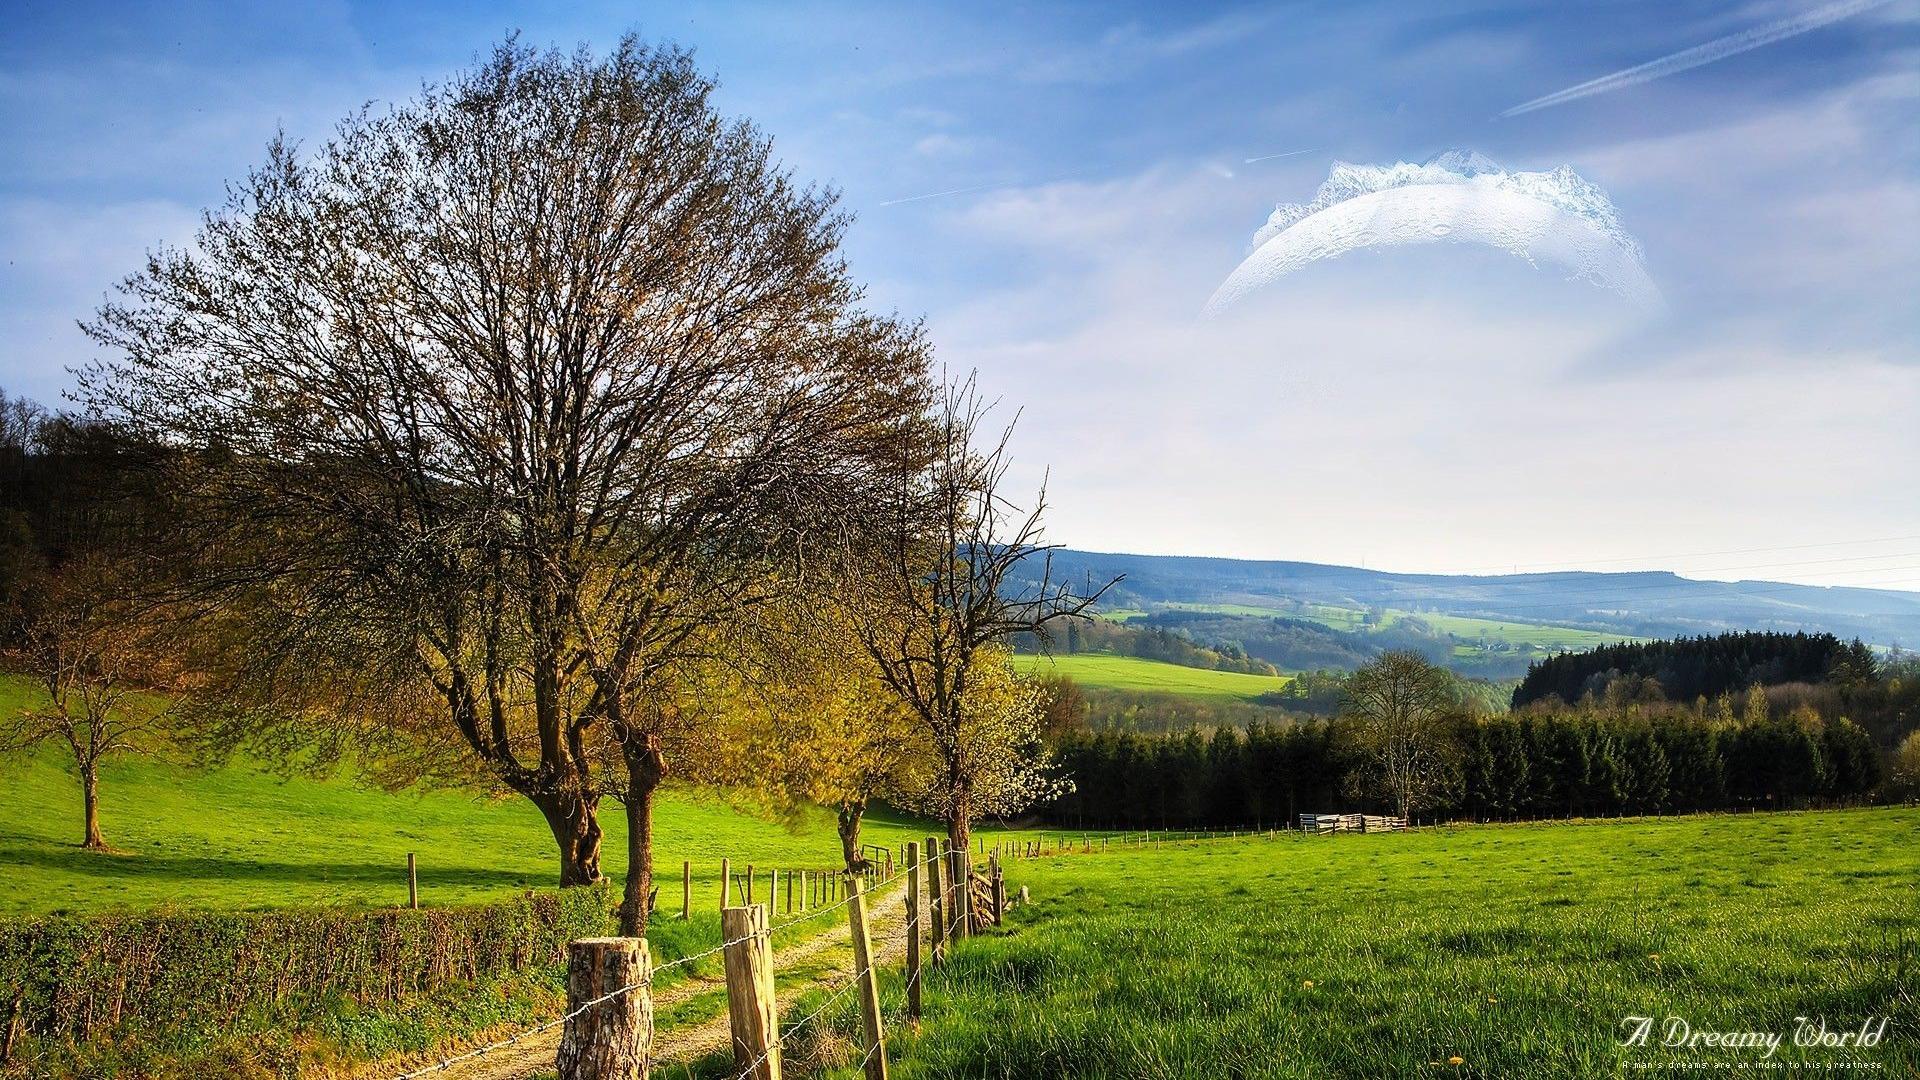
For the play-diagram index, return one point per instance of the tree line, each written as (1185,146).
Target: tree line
(1686,668)
(1440,758)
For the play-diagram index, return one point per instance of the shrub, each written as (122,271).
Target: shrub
(160,983)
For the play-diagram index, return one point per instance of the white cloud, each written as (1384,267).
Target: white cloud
(1381,411)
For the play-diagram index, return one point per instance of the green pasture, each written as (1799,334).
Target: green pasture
(241,837)
(1108,671)
(1520,951)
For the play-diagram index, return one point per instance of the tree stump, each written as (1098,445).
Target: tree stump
(610,1040)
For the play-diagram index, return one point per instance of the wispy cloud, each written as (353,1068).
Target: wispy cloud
(1272,157)
(1130,47)
(1212,168)
(1688,59)
(940,194)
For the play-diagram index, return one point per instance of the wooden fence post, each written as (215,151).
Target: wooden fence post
(936,904)
(686,890)
(875,1043)
(789,892)
(613,1039)
(751,1012)
(999,890)
(748,895)
(913,929)
(726,885)
(413,883)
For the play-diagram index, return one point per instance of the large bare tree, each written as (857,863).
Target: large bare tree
(958,570)
(498,397)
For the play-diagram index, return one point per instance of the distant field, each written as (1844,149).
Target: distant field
(1107,671)
(1255,610)
(1513,633)
(1485,952)
(1472,631)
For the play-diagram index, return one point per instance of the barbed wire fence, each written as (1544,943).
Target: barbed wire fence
(576,1011)
(940,899)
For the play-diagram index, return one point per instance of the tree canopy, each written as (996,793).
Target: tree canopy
(495,399)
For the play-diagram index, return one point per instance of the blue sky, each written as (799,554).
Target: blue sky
(1439,408)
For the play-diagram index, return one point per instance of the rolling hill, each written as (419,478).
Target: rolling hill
(1611,605)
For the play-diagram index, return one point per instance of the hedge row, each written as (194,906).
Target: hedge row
(181,977)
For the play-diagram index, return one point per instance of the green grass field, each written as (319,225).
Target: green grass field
(239,837)
(1553,638)
(1519,950)
(1107,671)
(1474,635)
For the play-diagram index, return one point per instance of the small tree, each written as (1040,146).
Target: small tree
(1000,737)
(105,688)
(959,569)
(1903,781)
(808,718)
(1396,709)
(848,742)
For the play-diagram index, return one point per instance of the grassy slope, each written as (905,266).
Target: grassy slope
(1133,673)
(1469,629)
(240,838)
(1512,633)
(1518,949)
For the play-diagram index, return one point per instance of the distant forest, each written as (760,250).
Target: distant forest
(1739,720)
(1573,763)
(1687,668)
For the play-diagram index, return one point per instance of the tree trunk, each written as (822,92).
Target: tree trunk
(573,818)
(90,798)
(646,767)
(569,807)
(850,814)
(960,835)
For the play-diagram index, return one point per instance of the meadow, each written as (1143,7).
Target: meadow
(1489,951)
(1111,672)
(1473,633)
(241,837)
(1518,950)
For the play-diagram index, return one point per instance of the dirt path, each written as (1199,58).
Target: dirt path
(825,959)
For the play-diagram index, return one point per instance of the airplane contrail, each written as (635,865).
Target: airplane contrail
(1270,157)
(1717,49)
(937,194)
